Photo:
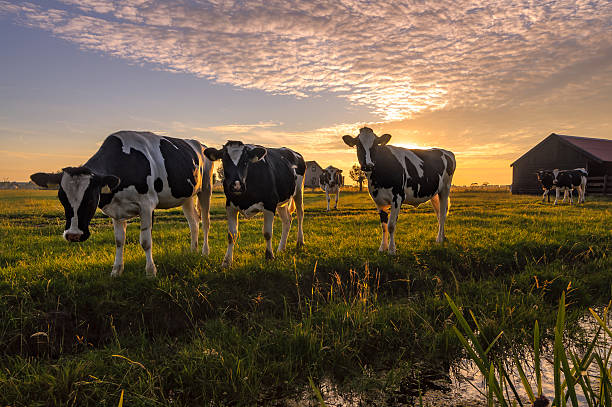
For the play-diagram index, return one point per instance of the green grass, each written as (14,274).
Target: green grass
(335,310)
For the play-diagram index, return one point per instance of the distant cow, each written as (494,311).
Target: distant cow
(568,180)
(261,179)
(397,175)
(330,181)
(546,179)
(132,174)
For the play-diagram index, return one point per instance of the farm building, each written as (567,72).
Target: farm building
(313,172)
(565,152)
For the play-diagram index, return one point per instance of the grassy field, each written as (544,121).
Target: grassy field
(337,310)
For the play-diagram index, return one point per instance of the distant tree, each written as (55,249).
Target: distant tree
(357,175)
(474,184)
(484,184)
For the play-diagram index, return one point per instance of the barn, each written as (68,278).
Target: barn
(313,172)
(565,152)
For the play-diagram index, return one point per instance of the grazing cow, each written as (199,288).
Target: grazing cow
(132,174)
(330,181)
(397,175)
(546,178)
(568,180)
(261,179)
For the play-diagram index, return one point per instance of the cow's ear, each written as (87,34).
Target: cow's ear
(213,154)
(108,183)
(257,154)
(339,171)
(384,139)
(350,141)
(46,180)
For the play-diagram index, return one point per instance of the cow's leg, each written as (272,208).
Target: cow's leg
(146,240)
(299,204)
(435,202)
(394,214)
(285,216)
(571,193)
(444,204)
(556,195)
(119,226)
(384,220)
(337,197)
(232,234)
(564,196)
(327,198)
(193,219)
(544,195)
(204,198)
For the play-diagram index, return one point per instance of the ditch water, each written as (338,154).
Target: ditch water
(464,385)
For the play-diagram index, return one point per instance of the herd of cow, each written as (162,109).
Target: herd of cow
(563,181)
(133,173)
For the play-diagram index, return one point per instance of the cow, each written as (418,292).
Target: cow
(399,175)
(567,181)
(132,174)
(330,181)
(259,179)
(546,179)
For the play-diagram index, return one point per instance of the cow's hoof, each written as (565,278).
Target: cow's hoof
(269,255)
(205,251)
(151,271)
(117,271)
(392,252)
(299,245)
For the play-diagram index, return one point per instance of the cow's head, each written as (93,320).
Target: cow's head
(546,178)
(367,144)
(331,176)
(236,158)
(79,193)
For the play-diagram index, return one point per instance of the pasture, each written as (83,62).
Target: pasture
(335,311)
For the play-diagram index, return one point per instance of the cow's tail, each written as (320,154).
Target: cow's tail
(196,202)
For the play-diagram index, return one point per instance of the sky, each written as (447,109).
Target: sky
(486,80)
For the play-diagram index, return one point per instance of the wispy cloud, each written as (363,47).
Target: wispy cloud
(397,57)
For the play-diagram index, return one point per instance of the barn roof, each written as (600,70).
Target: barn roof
(597,149)
(600,149)
(309,163)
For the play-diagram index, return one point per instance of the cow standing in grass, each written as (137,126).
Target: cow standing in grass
(261,179)
(132,174)
(568,180)
(546,179)
(330,181)
(399,175)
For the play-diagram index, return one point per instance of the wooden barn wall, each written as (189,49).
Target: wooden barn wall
(311,177)
(550,154)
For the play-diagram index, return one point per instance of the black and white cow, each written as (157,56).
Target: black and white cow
(132,174)
(399,175)
(568,180)
(261,179)
(546,178)
(331,181)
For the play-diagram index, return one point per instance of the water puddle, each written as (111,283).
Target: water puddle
(464,385)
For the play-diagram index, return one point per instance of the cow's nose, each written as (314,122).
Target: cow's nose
(73,237)
(236,186)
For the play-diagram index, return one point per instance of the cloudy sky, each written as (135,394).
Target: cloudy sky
(486,80)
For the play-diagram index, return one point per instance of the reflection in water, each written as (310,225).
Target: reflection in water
(464,385)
